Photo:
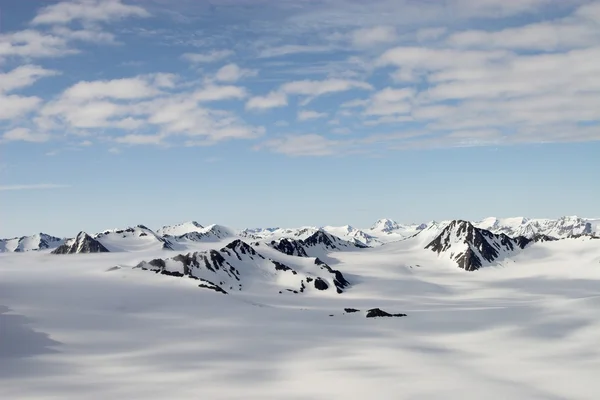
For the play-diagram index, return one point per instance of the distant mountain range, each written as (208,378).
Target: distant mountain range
(471,245)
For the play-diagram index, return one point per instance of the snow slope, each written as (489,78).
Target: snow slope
(138,238)
(77,327)
(180,229)
(39,241)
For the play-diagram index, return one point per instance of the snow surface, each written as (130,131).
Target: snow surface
(91,326)
(180,229)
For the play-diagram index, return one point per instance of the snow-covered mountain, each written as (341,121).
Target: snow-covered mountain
(353,235)
(387,230)
(471,247)
(211,233)
(238,266)
(138,238)
(316,245)
(180,229)
(39,241)
(561,228)
(82,243)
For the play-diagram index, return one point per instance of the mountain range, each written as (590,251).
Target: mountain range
(469,245)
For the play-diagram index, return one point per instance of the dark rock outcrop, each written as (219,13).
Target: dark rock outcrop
(83,243)
(339,280)
(470,247)
(320,284)
(376,312)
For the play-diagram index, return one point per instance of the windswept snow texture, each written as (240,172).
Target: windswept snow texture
(93,326)
(472,247)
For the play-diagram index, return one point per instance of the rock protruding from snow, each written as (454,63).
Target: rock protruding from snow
(211,233)
(385,225)
(315,245)
(83,243)
(377,312)
(238,266)
(561,228)
(471,247)
(39,241)
(290,247)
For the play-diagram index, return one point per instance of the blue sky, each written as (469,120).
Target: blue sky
(288,113)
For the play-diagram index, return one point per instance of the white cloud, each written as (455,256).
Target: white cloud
(30,43)
(35,186)
(87,11)
(14,106)
(301,145)
(390,101)
(427,34)
(23,76)
(271,100)
(135,139)
(309,88)
(25,135)
(546,36)
(217,93)
(319,88)
(92,35)
(291,49)
(125,88)
(373,36)
(304,115)
(233,73)
(213,56)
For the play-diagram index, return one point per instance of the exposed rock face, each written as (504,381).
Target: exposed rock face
(471,247)
(340,281)
(317,242)
(237,264)
(291,247)
(376,312)
(320,284)
(83,243)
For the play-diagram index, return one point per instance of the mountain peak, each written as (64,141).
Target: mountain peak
(385,225)
(470,247)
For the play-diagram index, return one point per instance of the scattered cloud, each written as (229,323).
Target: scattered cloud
(14,106)
(87,11)
(291,49)
(205,58)
(233,73)
(23,76)
(271,100)
(304,115)
(125,88)
(301,145)
(36,186)
(135,139)
(24,135)
(377,35)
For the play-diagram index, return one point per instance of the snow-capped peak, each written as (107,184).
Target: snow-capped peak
(385,225)
(180,229)
(471,247)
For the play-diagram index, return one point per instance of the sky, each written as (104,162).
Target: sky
(264,113)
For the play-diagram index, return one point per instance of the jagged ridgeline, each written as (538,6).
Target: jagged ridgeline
(238,266)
